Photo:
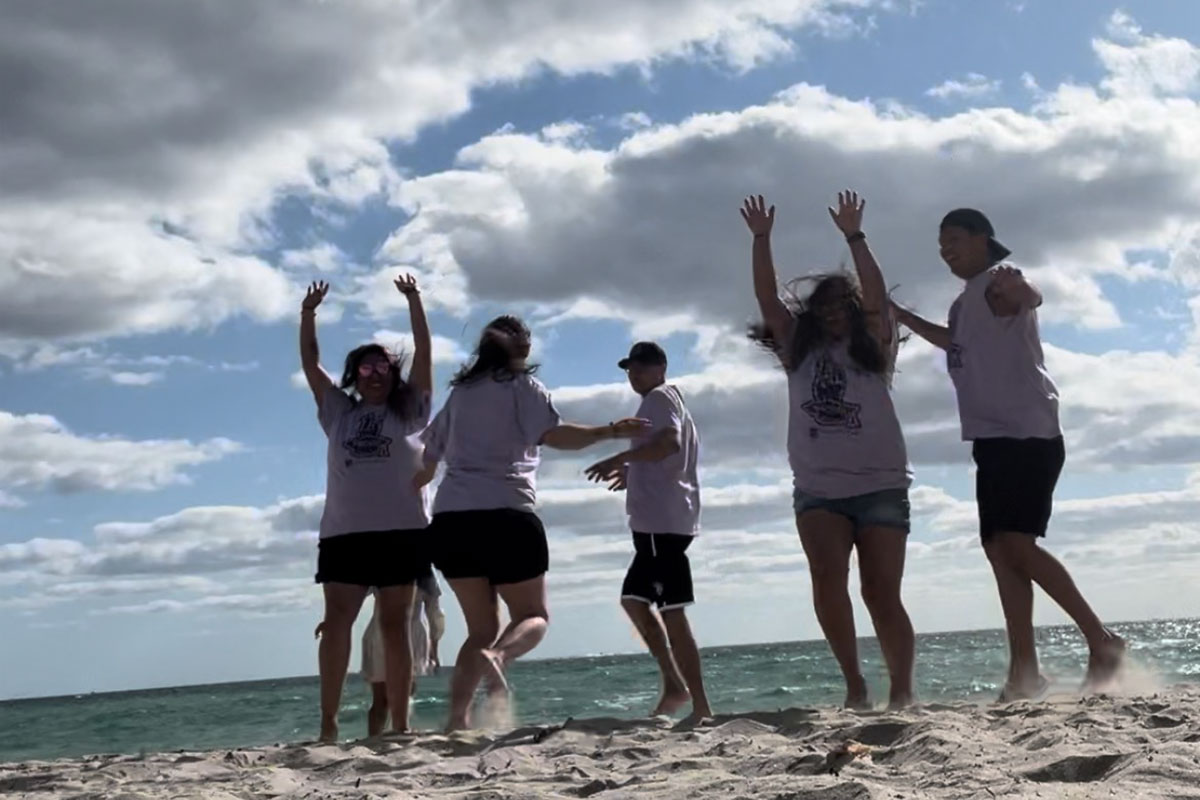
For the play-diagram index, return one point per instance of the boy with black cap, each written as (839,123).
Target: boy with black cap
(1008,407)
(662,498)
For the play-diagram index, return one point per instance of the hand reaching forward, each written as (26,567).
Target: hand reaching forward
(759,219)
(629,427)
(849,214)
(315,294)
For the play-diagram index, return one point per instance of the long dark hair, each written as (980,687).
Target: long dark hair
(503,340)
(807,332)
(402,397)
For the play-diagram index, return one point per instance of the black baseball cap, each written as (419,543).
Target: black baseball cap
(644,353)
(974,221)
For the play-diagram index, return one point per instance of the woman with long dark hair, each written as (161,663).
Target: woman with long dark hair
(487,541)
(847,453)
(373,526)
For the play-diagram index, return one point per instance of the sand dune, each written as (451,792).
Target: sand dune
(1105,747)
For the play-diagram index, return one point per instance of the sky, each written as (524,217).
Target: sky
(174,174)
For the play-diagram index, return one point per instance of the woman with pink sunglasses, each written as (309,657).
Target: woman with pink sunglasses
(373,525)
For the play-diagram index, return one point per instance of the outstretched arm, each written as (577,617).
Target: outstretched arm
(420,374)
(760,220)
(848,218)
(569,436)
(936,335)
(663,444)
(310,355)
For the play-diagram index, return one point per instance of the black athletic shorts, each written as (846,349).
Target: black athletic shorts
(374,558)
(1014,483)
(504,545)
(660,573)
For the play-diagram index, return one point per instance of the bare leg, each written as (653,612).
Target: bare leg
(1107,649)
(529,618)
(674,690)
(687,655)
(881,553)
(482,614)
(342,603)
(377,715)
(395,608)
(1016,599)
(828,539)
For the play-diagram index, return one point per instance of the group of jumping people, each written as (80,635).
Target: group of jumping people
(836,336)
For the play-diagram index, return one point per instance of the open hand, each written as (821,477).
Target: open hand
(849,214)
(320,629)
(620,481)
(759,219)
(315,294)
(606,470)
(407,285)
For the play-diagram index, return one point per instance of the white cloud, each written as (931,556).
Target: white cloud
(139,171)
(39,452)
(134,378)
(1140,65)
(972,86)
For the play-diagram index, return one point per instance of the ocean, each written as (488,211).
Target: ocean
(950,667)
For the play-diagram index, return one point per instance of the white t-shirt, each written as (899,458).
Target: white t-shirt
(998,370)
(372,457)
(664,496)
(488,435)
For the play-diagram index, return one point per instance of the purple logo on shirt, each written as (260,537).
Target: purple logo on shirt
(828,407)
(368,440)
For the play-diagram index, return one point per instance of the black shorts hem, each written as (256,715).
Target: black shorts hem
(1014,484)
(660,573)
(376,559)
(502,545)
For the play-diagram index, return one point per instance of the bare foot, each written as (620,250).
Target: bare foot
(1013,692)
(899,700)
(856,695)
(673,699)
(329,730)
(1104,662)
(457,724)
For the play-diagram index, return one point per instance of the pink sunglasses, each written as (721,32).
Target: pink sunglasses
(378,367)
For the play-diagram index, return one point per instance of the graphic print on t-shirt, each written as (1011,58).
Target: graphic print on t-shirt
(828,407)
(954,357)
(368,440)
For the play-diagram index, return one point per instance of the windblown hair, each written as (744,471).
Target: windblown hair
(504,340)
(807,332)
(402,398)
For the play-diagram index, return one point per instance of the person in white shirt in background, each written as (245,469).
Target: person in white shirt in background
(487,541)
(659,475)
(428,625)
(1008,407)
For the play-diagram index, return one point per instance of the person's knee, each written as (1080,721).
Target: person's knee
(881,596)
(676,623)
(483,634)
(827,576)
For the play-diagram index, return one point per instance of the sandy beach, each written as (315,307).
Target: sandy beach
(1069,747)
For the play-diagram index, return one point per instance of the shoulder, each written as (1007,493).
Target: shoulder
(529,384)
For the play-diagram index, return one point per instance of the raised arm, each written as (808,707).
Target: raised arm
(936,335)
(848,219)
(420,374)
(570,436)
(760,219)
(310,355)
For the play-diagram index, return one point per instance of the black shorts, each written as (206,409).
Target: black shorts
(374,558)
(504,545)
(1014,483)
(660,573)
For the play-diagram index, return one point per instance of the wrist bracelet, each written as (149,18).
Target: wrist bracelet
(760,236)
(857,236)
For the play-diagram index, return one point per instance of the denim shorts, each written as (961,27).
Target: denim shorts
(887,508)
